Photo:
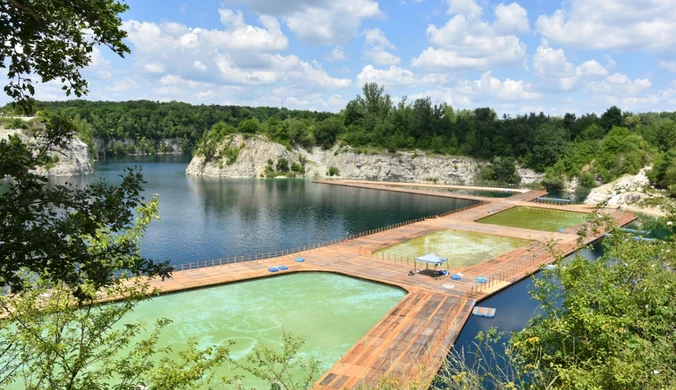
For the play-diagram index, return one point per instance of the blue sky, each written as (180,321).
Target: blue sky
(537,55)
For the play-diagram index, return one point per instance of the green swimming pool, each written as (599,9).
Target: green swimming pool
(535,218)
(462,248)
(331,312)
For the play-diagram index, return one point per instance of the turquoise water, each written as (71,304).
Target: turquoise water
(331,312)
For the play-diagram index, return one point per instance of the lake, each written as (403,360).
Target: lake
(211,218)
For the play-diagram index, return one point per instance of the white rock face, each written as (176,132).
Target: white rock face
(73,160)
(404,166)
(529,176)
(622,192)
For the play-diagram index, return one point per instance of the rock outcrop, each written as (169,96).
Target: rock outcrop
(254,153)
(626,193)
(529,176)
(72,160)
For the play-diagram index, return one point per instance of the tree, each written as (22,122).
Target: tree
(52,341)
(549,144)
(612,117)
(48,231)
(326,132)
(608,323)
(56,38)
(504,170)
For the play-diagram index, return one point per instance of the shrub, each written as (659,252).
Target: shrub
(283,165)
(333,171)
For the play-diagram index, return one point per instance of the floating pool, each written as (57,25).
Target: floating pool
(462,248)
(535,218)
(331,312)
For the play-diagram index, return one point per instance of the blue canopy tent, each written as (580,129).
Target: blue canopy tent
(428,259)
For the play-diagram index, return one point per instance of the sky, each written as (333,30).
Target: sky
(576,56)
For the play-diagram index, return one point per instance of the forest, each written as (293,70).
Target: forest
(595,149)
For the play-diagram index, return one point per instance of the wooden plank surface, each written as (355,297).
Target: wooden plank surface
(413,339)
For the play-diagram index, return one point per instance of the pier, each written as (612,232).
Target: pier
(412,341)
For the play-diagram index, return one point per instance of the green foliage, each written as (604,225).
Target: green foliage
(549,146)
(333,171)
(270,172)
(56,38)
(16,123)
(606,324)
(326,131)
(51,341)
(611,118)
(283,165)
(249,126)
(296,167)
(35,234)
(663,174)
(230,153)
(501,170)
(280,368)
(621,152)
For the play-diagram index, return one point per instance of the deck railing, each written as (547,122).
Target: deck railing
(310,247)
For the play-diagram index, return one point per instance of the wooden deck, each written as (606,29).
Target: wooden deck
(411,342)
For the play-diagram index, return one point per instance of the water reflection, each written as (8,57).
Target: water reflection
(212,218)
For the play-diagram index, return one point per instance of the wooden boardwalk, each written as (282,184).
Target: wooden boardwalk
(411,342)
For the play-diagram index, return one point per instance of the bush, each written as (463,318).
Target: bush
(283,165)
(295,167)
(333,171)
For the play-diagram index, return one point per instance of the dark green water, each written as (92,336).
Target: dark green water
(211,218)
(535,219)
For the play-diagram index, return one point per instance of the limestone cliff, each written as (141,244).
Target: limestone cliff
(252,155)
(626,193)
(72,160)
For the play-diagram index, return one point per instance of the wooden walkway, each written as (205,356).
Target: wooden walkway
(411,342)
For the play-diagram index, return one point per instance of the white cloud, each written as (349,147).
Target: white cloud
(552,68)
(490,88)
(397,77)
(319,21)
(279,68)
(619,84)
(510,19)
(168,39)
(467,42)
(669,66)
(123,85)
(619,24)
(376,46)
(199,66)
(336,54)
(441,95)
(99,67)
(154,67)
(465,7)
(376,38)
(232,19)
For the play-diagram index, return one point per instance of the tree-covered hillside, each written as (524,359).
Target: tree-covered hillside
(591,148)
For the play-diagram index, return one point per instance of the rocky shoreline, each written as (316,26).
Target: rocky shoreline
(255,154)
(69,161)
